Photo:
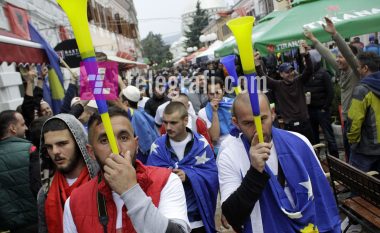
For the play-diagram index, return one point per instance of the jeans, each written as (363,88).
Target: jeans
(303,128)
(199,230)
(347,147)
(319,117)
(364,162)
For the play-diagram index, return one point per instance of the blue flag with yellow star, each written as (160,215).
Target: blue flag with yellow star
(312,207)
(55,93)
(201,185)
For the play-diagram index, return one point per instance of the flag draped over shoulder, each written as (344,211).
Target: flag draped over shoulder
(57,92)
(201,170)
(224,114)
(144,127)
(314,208)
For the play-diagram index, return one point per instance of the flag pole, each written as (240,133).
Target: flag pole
(67,67)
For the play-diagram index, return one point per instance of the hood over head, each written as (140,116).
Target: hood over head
(372,81)
(316,59)
(80,136)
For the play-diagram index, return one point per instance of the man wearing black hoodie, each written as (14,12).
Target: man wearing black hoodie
(159,97)
(363,115)
(322,94)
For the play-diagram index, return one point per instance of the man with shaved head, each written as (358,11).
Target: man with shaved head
(276,185)
(195,123)
(190,156)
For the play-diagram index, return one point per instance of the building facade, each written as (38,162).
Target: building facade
(212,7)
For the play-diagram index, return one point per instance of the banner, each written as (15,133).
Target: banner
(18,20)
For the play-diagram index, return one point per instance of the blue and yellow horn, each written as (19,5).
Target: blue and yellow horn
(229,63)
(242,30)
(76,11)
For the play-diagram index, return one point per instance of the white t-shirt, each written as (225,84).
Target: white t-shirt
(160,112)
(233,164)
(71,181)
(202,114)
(179,147)
(172,205)
(142,102)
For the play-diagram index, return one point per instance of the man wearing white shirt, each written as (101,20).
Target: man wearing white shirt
(126,196)
(217,113)
(274,186)
(189,156)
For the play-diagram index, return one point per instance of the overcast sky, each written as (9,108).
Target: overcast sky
(160,16)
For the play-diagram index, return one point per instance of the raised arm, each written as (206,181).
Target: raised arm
(28,103)
(71,92)
(342,46)
(325,52)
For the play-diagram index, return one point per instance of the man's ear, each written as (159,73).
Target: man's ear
(12,128)
(273,113)
(186,119)
(366,68)
(90,151)
(136,140)
(235,122)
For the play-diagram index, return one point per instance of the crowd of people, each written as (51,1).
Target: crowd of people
(181,145)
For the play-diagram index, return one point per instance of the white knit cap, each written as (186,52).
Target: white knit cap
(74,101)
(92,104)
(132,93)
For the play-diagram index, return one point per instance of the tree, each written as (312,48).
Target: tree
(155,49)
(200,21)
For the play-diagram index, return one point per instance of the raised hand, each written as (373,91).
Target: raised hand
(44,71)
(215,104)
(308,34)
(329,26)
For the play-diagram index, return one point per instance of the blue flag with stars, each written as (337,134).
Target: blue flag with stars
(313,208)
(201,171)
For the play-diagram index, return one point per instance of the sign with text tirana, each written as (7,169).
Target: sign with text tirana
(285,29)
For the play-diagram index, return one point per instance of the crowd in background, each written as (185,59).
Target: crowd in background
(166,124)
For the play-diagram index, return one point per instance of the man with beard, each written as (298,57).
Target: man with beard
(126,196)
(65,166)
(274,186)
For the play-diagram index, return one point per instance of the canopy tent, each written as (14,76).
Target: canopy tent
(191,57)
(228,47)
(124,63)
(285,30)
(15,49)
(208,54)
(180,61)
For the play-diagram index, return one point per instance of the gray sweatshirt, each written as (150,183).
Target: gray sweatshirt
(348,79)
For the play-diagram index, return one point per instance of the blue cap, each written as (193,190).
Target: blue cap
(285,67)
